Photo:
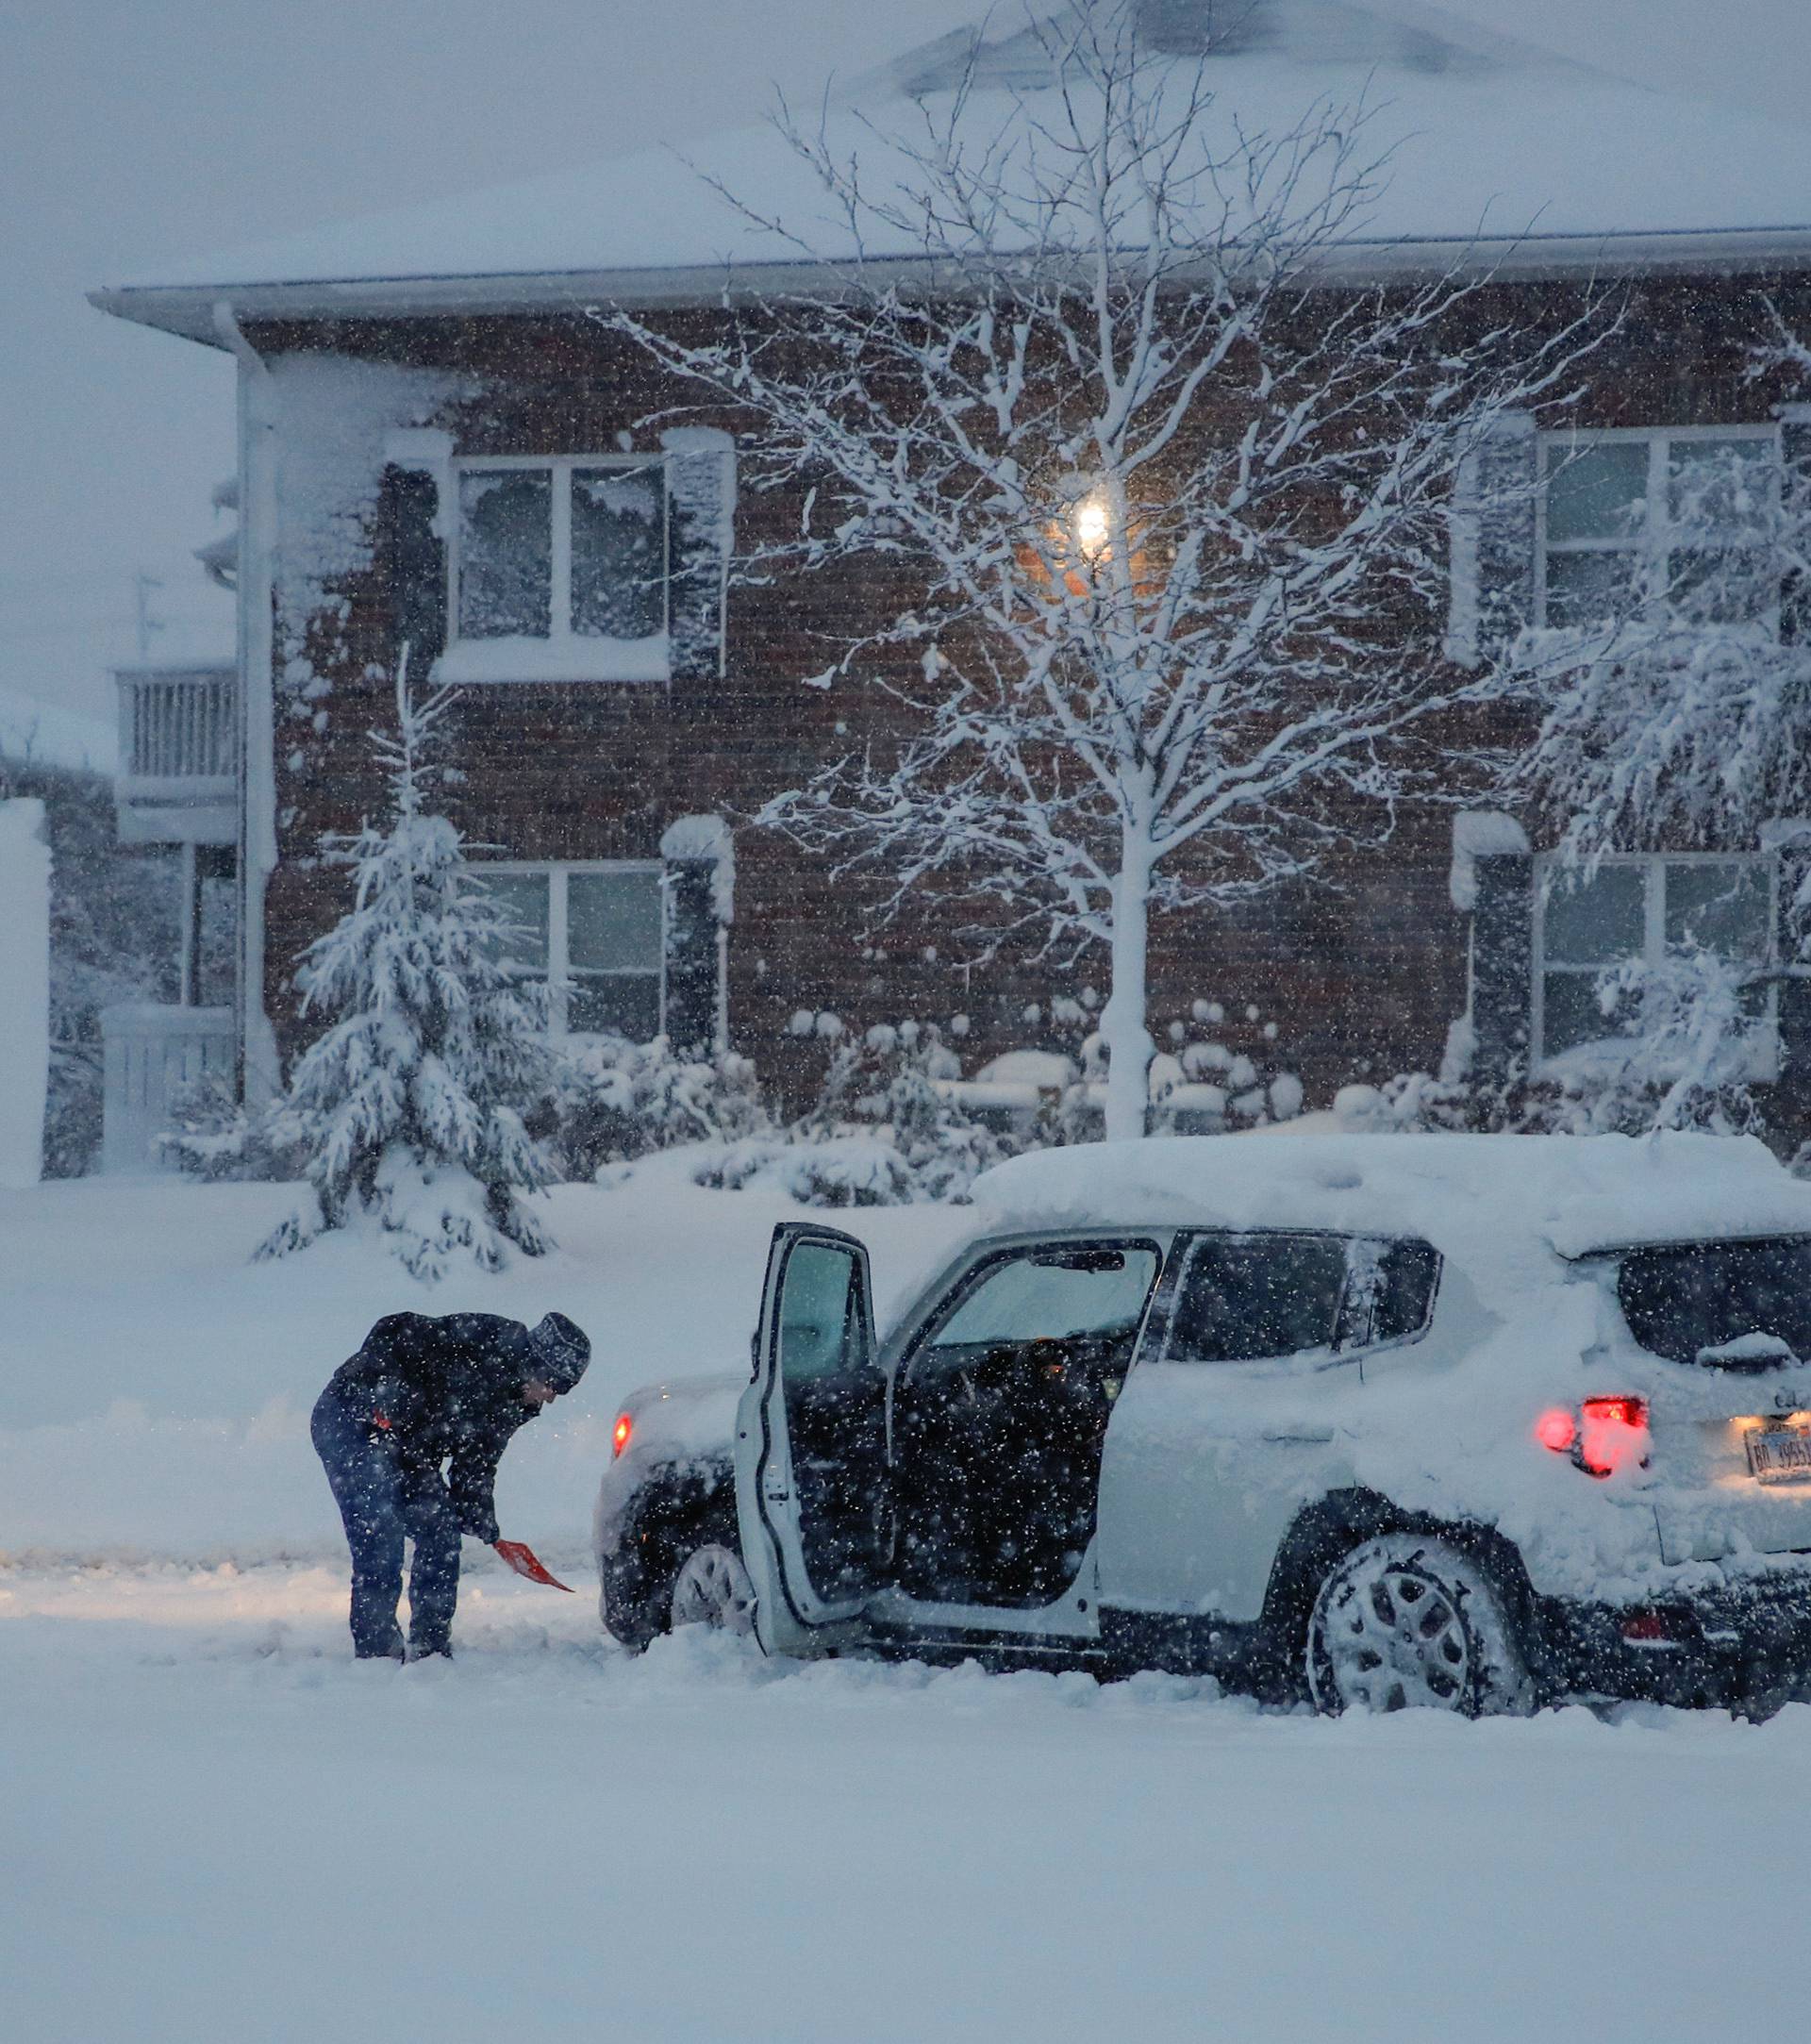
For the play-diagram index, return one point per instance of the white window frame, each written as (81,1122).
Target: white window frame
(1655,538)
(1764,1039)
(563,654)
(558,964)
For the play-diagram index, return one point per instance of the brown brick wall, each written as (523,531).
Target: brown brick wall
(1362,975)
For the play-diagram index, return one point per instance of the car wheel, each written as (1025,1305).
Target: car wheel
(1405,1622)
(713,1588)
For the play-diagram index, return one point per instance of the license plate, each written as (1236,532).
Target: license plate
(1780,1455)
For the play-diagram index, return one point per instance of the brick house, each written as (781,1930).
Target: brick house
(439,447)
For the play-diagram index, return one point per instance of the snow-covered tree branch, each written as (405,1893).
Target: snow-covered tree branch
(1170,503)
(1676,702)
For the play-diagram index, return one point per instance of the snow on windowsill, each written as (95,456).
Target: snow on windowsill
(555,660)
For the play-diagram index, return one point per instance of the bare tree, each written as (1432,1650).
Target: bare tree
(1169,500)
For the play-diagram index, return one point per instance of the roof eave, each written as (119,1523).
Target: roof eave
(189,309)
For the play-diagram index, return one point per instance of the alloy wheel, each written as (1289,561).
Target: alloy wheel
(1403,1624)
(713,1589)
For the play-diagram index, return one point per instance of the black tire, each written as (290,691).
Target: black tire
(1409,1620)
(636,1585)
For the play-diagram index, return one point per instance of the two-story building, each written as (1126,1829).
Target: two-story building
(438,445)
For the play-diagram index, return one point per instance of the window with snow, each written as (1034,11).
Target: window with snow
(597,933)
(1257,1298)
(1677,522)
(560,570)
(1645,909)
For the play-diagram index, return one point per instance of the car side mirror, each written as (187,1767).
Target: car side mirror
(753,1352)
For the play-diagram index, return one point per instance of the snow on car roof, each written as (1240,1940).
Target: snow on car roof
(1477,1197)
(1486,138)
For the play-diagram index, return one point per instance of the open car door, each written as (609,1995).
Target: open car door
(811,1442)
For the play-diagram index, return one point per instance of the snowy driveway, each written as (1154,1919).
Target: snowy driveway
(218,1829)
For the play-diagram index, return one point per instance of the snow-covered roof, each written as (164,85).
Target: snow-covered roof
(1489,1197)
(46,734)
(1492,139)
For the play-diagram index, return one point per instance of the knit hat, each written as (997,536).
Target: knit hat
(559,1350)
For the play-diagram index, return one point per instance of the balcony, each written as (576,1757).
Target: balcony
(178,743)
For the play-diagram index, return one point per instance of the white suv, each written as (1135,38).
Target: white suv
(1463,1421)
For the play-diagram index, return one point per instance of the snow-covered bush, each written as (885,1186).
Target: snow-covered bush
(213,1137)
(1677,1053)
(1199,1083)
(1415,1102)
(886,1127)
(1201,1087)
(409,1106)
(820,1170)
(611,1102)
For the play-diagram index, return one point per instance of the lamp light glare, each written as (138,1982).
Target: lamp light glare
(1091,526)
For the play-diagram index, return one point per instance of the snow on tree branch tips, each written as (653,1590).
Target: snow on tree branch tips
(1176,509)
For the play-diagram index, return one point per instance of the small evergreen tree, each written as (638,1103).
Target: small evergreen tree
(408,1107)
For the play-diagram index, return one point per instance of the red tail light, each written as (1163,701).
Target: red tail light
(1606,1434)
(620,1433)
(1556,1429)
(1613,1435)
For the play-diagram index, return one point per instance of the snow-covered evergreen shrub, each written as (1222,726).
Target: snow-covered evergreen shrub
(409,1106)
(613,1101)
(215,1138)
(902,1085)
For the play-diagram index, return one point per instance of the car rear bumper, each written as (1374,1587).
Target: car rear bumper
(1745,1646)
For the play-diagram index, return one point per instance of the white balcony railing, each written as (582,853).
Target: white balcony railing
(178,746)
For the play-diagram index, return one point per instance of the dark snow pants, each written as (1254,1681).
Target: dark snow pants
(380,1501)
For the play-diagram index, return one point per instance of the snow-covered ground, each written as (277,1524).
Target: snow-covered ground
(217,1828)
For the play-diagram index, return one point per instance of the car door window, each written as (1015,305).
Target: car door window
(1389,1292)
(1256,1298)
(821,1316)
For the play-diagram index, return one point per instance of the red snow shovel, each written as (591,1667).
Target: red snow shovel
(519,1556)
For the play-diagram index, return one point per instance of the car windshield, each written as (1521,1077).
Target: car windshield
(1729,1305)
(1049,1294)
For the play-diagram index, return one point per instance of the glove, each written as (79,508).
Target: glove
(518,1555)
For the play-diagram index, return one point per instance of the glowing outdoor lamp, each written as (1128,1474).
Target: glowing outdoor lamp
(1094,524)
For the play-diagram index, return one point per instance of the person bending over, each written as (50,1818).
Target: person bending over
(423,1392)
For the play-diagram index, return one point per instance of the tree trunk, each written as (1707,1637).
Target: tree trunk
(1123,1034)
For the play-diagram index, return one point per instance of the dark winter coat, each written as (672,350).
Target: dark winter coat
(441,1388)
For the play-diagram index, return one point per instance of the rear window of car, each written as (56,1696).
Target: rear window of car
(1251,1298)
(1730,1306)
